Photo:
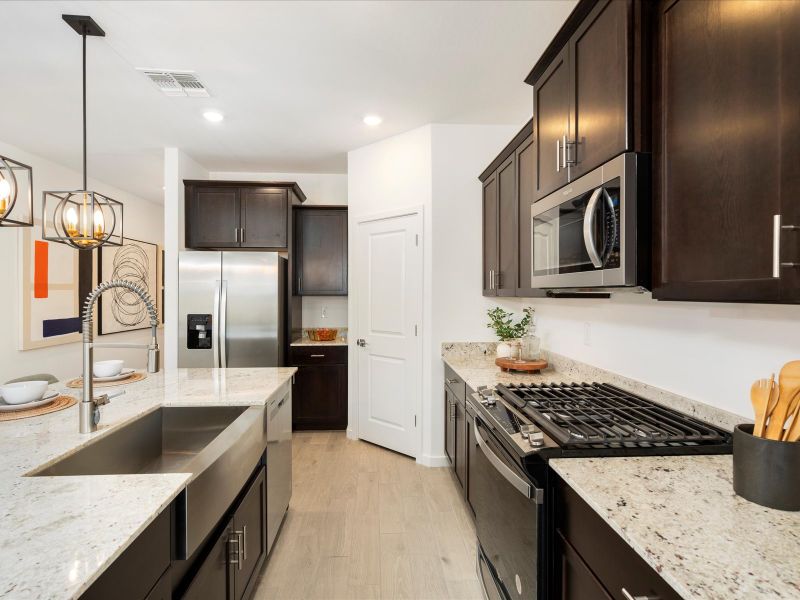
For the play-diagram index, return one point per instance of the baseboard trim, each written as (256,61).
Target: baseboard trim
(351,435)
(429,460)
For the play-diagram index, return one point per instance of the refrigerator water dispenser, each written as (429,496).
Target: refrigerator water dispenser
(198,334)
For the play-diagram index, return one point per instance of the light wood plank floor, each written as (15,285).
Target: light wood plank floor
(366,523)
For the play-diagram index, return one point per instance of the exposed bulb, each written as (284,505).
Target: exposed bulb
(99,224)
(71,221)
(5,196)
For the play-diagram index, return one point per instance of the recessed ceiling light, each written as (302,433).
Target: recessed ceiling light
(213,116)
(373,120)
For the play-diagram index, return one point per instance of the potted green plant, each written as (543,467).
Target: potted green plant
(508,332)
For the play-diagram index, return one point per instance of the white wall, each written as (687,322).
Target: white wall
(335,308)
(460,154)
(177,166)
(436,167)
(705,351)
(143,220)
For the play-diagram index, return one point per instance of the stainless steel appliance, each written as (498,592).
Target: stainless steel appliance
(516,429)
(279,463)
(595,232)
(231,309)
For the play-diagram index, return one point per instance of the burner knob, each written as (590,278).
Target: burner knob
(536,438)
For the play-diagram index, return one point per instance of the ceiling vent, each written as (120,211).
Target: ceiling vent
(177,83)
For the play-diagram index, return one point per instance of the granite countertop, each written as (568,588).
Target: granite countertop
(681,515)
(58,534)
(339,341)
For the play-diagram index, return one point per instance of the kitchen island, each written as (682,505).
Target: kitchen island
(59,534)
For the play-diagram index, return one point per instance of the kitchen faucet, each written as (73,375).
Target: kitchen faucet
(90,406)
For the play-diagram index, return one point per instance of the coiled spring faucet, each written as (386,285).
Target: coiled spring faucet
(90,406)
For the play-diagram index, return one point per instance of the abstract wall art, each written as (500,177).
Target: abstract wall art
(135,261)
(49,306)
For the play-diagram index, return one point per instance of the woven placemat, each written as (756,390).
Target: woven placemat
(60,403)
(136,376)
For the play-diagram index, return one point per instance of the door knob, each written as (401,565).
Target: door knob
(361,342)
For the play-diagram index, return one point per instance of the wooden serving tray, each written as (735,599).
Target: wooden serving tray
(523,366)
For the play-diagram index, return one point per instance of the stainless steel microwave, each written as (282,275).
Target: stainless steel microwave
(596,231)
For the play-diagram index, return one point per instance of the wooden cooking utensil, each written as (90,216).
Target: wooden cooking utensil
(793,432)
(789,385)
(760,394)
(773,397)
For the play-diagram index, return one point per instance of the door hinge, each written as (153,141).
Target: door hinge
(416,239)
(415,330)
(415,420)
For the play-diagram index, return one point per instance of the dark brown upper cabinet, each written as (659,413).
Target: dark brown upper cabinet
(265,214)
(236,214)
(727,174)
(589,91)
(551,122)
(490,227)
(508,193)
(321,251)
(507,213)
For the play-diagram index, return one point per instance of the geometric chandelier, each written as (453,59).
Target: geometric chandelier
(83,219)
(16,194)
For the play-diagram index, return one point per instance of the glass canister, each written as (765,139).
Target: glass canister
(530,347)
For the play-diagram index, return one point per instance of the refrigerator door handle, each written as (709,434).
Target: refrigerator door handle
(223,325)
(216,323)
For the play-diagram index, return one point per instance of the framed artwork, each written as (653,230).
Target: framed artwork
(50,287)
(136,261)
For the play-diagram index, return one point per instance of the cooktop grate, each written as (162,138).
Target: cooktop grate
(601,415)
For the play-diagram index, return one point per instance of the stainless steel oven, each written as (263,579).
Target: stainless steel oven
(595,232)
(508,519)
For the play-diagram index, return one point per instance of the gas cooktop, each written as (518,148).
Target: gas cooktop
(596,419)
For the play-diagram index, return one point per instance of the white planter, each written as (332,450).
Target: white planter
(506,349)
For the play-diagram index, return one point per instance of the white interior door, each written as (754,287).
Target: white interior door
(389,319)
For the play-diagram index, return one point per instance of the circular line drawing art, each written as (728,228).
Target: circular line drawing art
(132,264)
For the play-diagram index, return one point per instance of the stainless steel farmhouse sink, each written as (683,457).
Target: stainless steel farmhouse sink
(219,445)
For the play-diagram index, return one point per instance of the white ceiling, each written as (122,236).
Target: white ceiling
(293,79)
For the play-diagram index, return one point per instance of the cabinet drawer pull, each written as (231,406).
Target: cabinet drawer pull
(558,155)
(244,536)
(629,596)
(317,356)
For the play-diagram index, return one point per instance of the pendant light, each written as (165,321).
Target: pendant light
(83,219)
(16,193)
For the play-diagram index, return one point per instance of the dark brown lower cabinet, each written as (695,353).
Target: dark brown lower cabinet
(140,567)
(472,445)
(455,427)
(228,570)
(162,590)
(450,426)
(577,580)
(319,391)
(461,442)
(594,562)
(250,526)
(213,579)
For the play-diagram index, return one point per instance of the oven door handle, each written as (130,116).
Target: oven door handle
(522,486)
(588,226)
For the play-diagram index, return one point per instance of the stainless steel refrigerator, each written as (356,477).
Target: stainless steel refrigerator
(231,309)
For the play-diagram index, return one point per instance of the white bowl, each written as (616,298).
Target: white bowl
(23,391)
(108,368)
